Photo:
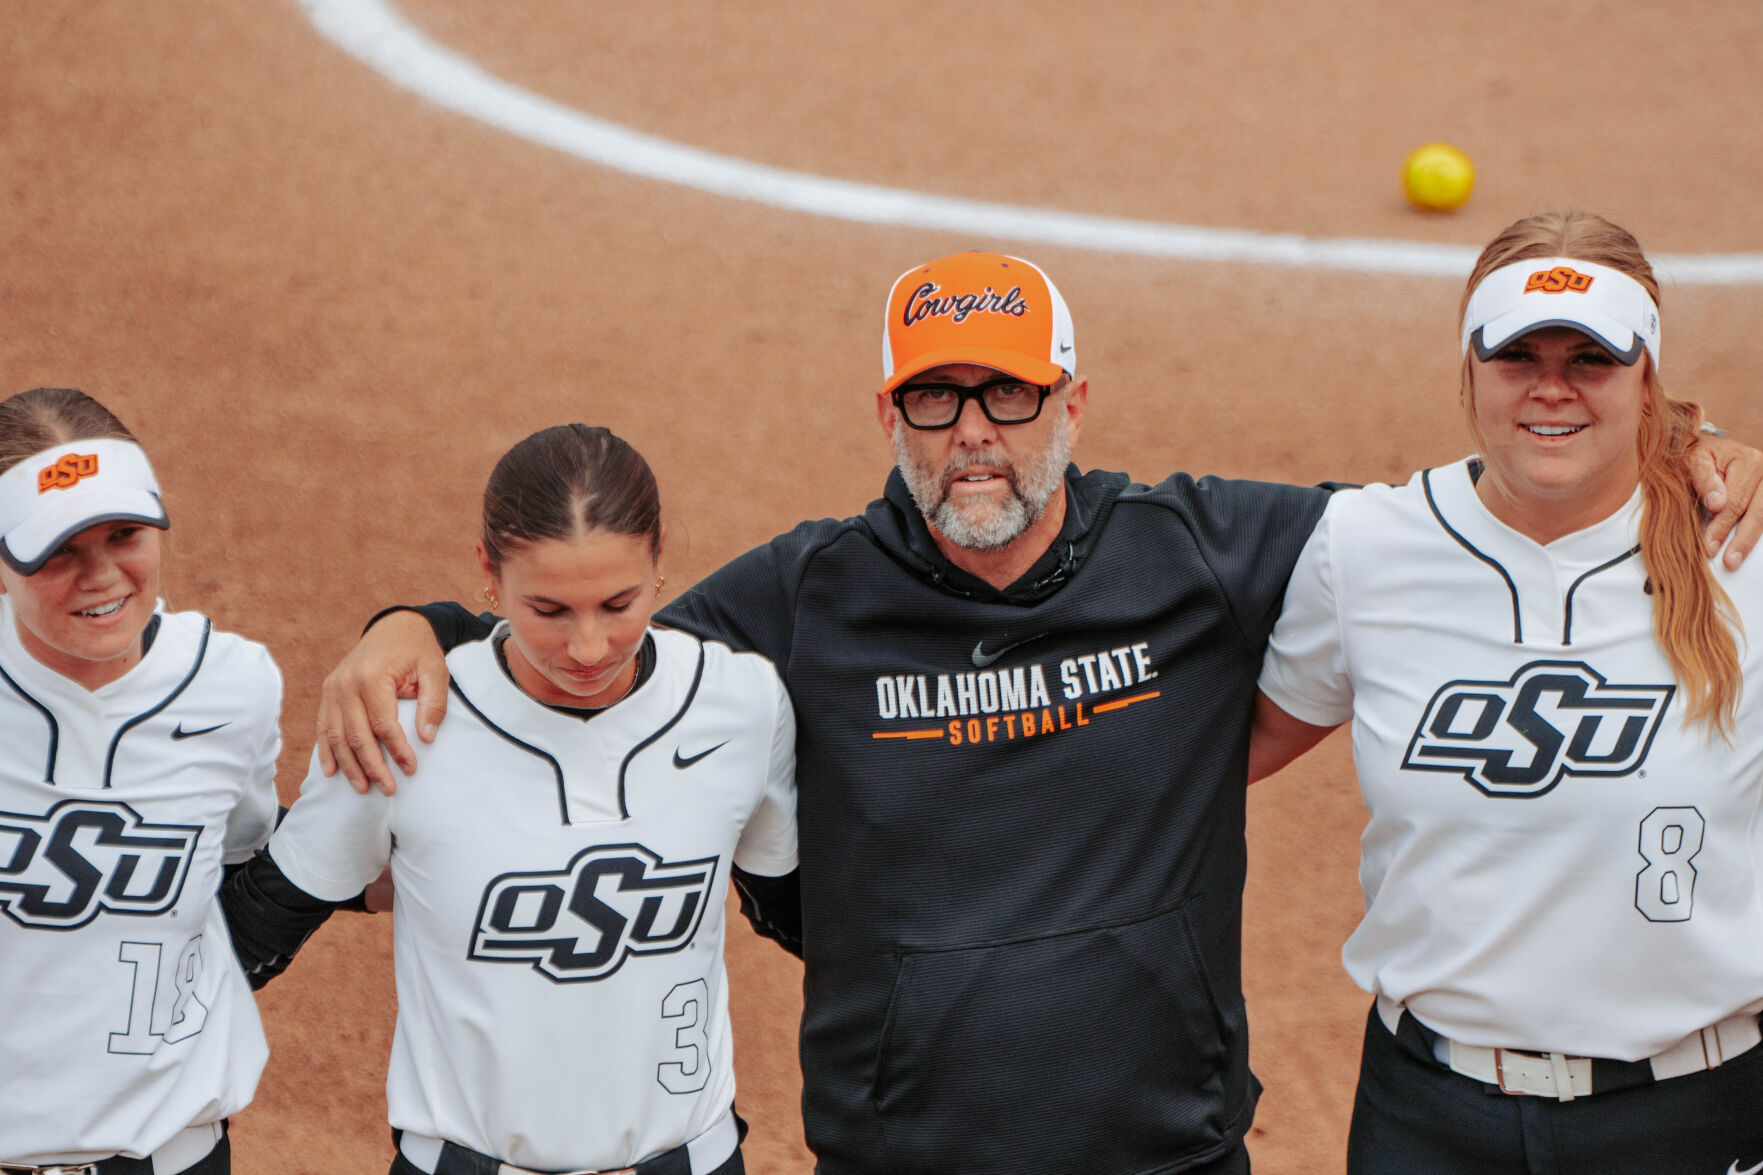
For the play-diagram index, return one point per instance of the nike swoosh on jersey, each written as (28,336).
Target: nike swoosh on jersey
(1734,1169)
(981,658)
(682,762)
(180,733)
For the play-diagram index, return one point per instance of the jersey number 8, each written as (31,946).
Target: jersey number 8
(1670,839)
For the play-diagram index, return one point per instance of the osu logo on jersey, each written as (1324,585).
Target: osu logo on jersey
(1558,280)
(1553,719)
(60,870)
(582,922)
(67,472)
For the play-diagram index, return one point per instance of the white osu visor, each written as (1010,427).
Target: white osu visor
(51,496)
(1604,303)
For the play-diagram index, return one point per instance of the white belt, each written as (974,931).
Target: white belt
(708,1151)
(185,1149)
(1563,1077)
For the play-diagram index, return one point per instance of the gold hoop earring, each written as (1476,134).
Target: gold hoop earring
(487,595)
(660,582)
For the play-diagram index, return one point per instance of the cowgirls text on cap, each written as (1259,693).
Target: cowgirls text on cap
(923,304)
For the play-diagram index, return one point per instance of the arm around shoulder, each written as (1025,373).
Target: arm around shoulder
(453,623)
(1250,534)
(400,655)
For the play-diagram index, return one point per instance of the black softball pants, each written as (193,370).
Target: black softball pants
(1415,1116)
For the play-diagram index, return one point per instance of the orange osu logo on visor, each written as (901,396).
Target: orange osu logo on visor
(67,472)
(1558,280)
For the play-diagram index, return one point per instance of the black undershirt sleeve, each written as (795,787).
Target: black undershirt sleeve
(270,917)
(773,905)
(454,625)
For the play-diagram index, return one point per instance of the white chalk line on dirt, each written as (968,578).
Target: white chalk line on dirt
(376,34)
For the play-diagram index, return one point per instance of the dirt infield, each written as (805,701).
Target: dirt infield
(327,306)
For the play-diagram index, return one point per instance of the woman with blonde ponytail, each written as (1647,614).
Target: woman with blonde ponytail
(1692,616)
(1563,918)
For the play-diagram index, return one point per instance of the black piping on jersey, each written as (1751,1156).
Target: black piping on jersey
(201,652)
(556,768)
(697,677)
(1517,625)
(1567,623)
(151,631)
(49,717)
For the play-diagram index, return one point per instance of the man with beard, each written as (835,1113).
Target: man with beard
(1023,697)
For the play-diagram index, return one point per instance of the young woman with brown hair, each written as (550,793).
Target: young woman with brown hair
(1563,772)
(562,856)
(137,760)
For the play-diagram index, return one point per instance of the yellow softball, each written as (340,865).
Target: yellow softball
(1437,177)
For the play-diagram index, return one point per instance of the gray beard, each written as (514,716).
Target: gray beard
(983,526)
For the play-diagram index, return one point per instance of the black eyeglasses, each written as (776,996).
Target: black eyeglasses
(1004,401)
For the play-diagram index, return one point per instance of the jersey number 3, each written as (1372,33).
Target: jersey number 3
(687,1009)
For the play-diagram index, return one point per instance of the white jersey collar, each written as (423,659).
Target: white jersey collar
(576,746)
(87,722)
(1454,499)
(164,668)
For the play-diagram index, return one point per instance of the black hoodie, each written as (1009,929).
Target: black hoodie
(1021,817)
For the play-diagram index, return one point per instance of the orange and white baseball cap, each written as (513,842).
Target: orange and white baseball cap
(985,308)
(1603,303)
(51,496)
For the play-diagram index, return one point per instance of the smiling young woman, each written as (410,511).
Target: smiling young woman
(1594,468)
(79,561)
(1557,417)
(82,614)
(1562,930)
(128,1039)
(581,822)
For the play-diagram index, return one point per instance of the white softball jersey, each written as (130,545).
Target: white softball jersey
(126,1016)
(1554,860)
(558,927)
